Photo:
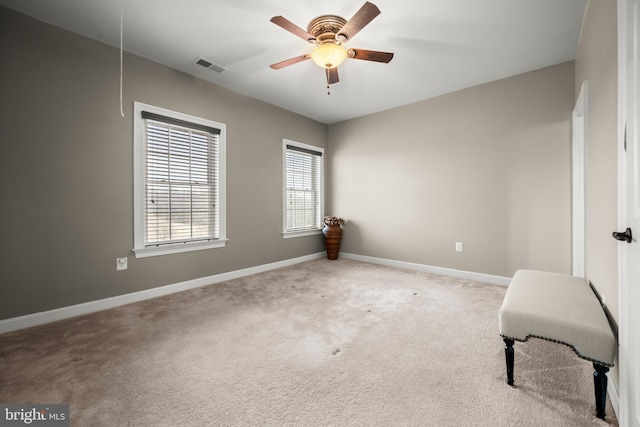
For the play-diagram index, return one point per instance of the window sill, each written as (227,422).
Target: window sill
(292,234)
(178,248)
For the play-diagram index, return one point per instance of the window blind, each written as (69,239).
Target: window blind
(181,181)
(303,186)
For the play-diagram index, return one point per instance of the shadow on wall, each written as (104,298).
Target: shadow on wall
(352,236)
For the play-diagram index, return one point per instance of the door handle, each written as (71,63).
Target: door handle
(623,237)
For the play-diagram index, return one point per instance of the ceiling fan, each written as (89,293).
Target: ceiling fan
(329,33)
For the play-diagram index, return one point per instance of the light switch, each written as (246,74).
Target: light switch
(121,263)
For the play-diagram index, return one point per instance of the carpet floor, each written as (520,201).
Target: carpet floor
(322,343)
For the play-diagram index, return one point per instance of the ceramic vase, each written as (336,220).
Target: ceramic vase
(332,237)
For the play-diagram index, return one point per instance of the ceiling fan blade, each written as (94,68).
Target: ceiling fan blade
(332,75)
(370,55)
(283,22)
(291,61)
(362,17)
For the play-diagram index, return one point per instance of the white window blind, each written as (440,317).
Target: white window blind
(303,188)
(181,181)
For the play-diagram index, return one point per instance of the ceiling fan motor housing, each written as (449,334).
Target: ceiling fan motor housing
(325,28)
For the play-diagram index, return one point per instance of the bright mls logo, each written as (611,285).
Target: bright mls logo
(34,415)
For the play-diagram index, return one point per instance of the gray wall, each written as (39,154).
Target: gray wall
(597,64)
(488,166)
(66,170)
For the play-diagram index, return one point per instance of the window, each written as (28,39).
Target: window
(179,189)
(303,189)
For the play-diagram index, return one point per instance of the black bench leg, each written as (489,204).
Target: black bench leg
(508,354)
(600,386)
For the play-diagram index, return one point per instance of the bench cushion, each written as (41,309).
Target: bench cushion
(560,308)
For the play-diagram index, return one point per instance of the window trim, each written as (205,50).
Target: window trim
(300,233)
(139,156)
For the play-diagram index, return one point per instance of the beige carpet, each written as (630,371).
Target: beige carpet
(323,343)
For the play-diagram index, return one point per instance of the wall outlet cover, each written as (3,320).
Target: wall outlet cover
(121,263)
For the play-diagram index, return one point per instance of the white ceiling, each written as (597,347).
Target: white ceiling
(440,45)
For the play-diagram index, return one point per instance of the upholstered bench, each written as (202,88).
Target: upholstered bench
(560,308)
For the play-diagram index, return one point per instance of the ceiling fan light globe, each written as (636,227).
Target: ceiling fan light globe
(329,55)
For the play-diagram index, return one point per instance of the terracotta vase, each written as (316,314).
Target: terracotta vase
(332,236)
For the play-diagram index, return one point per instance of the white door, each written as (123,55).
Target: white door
(629,322)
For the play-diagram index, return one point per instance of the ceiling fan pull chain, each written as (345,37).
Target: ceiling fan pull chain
(326,70)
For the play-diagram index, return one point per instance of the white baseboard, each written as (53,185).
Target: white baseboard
(614,397)
(35,319)
(480,277)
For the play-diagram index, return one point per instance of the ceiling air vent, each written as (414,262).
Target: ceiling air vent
(209,65)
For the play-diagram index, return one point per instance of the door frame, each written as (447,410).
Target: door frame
(578,182)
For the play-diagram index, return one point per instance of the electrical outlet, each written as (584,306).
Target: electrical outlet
(121,263)
(459,247)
